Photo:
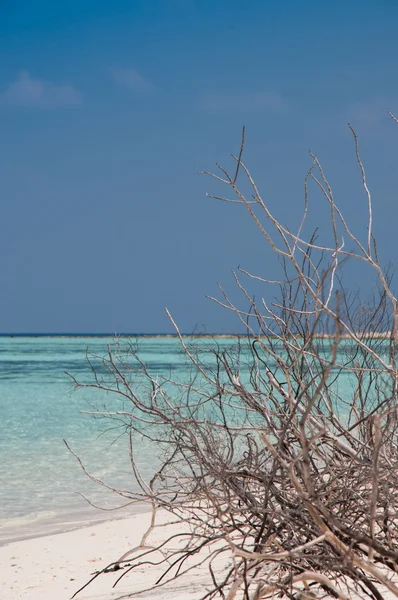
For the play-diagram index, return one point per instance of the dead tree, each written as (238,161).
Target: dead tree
(279,455)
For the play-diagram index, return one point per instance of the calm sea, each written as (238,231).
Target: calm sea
(40,481)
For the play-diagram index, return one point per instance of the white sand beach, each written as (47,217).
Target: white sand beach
(54,567)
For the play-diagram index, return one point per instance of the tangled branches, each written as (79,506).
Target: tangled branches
(279,454)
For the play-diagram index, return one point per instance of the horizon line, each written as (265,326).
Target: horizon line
(114,334)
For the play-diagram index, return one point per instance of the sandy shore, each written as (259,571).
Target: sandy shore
(54,567)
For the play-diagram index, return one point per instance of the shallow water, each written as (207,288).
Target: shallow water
(41,483)
(40,480)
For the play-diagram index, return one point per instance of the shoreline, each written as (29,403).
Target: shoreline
(28,528)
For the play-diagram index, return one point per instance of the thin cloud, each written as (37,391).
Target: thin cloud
(244,101)
(131,79)
(27,92)
(371,112)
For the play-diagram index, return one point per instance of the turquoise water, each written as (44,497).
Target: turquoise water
(40,480)
(41,483)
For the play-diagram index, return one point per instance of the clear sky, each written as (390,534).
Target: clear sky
(108,110)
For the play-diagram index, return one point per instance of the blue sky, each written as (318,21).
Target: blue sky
(108,110)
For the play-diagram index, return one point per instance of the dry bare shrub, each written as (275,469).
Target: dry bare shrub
(280,452)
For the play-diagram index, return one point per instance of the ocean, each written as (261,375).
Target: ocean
(42,487)
(41,483)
